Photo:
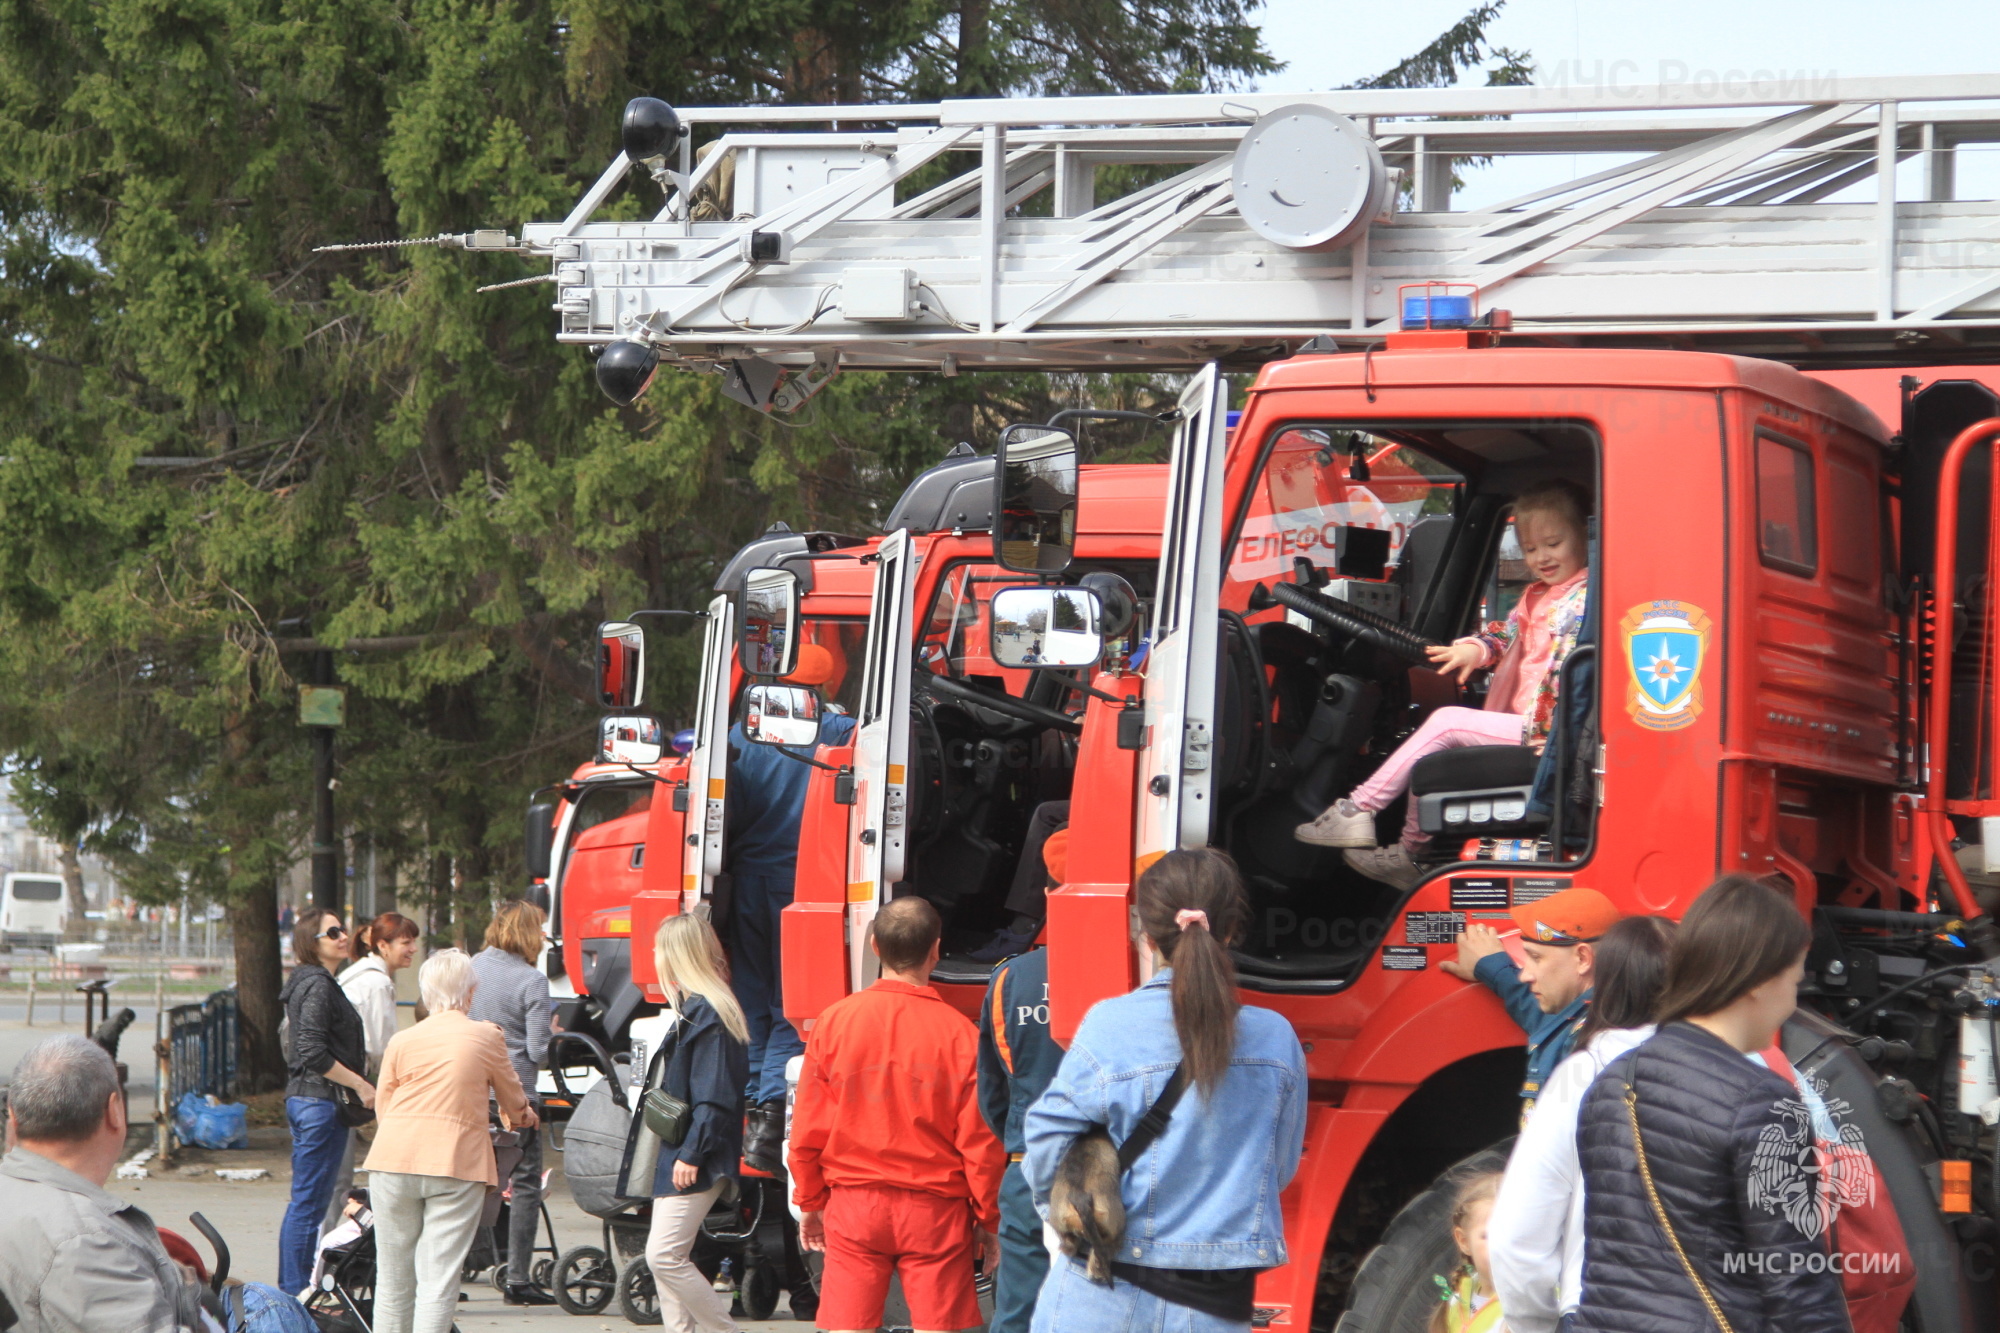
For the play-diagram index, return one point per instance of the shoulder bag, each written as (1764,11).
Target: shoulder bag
(1086,1205)
(666,1115)
(1660,1213)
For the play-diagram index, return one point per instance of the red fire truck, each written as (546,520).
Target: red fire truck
(1791,669)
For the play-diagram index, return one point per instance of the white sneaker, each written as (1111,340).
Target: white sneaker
(1391,865)
(1342,824)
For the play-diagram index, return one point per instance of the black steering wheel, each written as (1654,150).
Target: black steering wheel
(944,687)
(1353,621)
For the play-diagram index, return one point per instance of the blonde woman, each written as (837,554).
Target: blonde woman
(706,1064)
(432,1162)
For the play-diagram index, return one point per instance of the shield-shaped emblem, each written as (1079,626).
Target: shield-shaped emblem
(1665,646)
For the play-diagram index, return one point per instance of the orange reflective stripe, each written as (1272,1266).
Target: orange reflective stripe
(1000,1019)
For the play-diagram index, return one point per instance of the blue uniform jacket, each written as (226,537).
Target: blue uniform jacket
(1551,1037)
(1017,1056)
(767,794)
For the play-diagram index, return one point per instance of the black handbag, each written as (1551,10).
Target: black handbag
(348,1103)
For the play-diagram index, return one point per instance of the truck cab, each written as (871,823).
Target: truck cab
(1752,693)
(954,750)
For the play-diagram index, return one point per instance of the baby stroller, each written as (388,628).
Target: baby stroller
(748,1244)
(342,1299)
(489,1247)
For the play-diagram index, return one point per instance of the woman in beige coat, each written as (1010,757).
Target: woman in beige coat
(432,1162)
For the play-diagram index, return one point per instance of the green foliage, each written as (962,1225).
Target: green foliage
(216,440)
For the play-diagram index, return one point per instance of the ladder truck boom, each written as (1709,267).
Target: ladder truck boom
(1762,220)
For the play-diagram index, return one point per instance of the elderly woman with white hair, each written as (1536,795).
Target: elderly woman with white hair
(432,1161)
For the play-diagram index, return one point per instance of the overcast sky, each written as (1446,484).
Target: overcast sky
(1332,42)
(1328,43)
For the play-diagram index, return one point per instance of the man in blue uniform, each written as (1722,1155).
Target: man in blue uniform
(1017,1058)
(767,795)
(1550,996)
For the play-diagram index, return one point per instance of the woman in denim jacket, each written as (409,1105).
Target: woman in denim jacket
(1201,1204)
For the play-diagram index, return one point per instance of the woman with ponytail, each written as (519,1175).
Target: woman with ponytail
(1200,1202)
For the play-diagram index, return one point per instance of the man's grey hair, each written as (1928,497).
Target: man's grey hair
(60,1089)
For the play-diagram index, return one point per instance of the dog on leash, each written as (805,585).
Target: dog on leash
(1085,1205)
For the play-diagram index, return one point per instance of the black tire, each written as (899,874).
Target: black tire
(638,1300)
(760,1292)
(584,1281)
(498,1277)
(543,1270)
(1393,1292)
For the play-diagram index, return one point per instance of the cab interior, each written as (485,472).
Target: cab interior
(1309,704)
(988,745)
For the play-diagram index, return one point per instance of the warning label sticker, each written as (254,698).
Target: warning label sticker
(1398,958)
(1534,890)
(1475,892)
(1433,927)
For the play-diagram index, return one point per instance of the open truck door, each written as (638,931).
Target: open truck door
(878,822)
(1174,768)
(708,761)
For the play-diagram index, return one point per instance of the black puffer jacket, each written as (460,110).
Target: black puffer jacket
(1703,1110)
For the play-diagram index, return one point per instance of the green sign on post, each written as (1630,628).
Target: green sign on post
(322,706)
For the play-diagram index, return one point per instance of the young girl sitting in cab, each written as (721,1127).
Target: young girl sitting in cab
(1526,650)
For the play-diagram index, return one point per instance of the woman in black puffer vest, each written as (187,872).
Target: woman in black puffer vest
(1695,1234)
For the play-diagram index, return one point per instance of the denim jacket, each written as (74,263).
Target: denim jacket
(1204,1196)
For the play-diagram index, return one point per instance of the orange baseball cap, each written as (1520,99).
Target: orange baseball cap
(1574,916)
(815,666)
(1055,855)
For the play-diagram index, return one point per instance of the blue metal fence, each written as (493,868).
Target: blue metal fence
(202,1041)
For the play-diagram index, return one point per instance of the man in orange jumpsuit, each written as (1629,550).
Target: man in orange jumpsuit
(891,1160)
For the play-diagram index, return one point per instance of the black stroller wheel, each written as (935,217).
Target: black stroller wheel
(760,1292)
(543,1270)
(498,1277)
(638,1299)
(584,1281)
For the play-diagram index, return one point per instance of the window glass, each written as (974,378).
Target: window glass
(601,803)
(954,638)
(37,890)
(1787,521)
(847,641)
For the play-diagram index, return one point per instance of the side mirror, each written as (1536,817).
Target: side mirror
(781,714)
(539,845)
(1034,500)
(621,664)
(630,738)
(769,636)
(1046,627)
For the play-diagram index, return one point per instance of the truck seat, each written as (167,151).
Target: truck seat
(1479,791)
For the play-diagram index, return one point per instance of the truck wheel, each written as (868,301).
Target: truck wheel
(1393,1292)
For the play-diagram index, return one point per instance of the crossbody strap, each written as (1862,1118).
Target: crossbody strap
(1660,1212)
(1154,1122)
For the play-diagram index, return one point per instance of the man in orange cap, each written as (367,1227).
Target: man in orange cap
(1549,994)
(767,796)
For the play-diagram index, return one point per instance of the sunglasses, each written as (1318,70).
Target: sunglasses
(332,933)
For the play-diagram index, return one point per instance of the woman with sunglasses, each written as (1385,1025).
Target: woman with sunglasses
(324,1050)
